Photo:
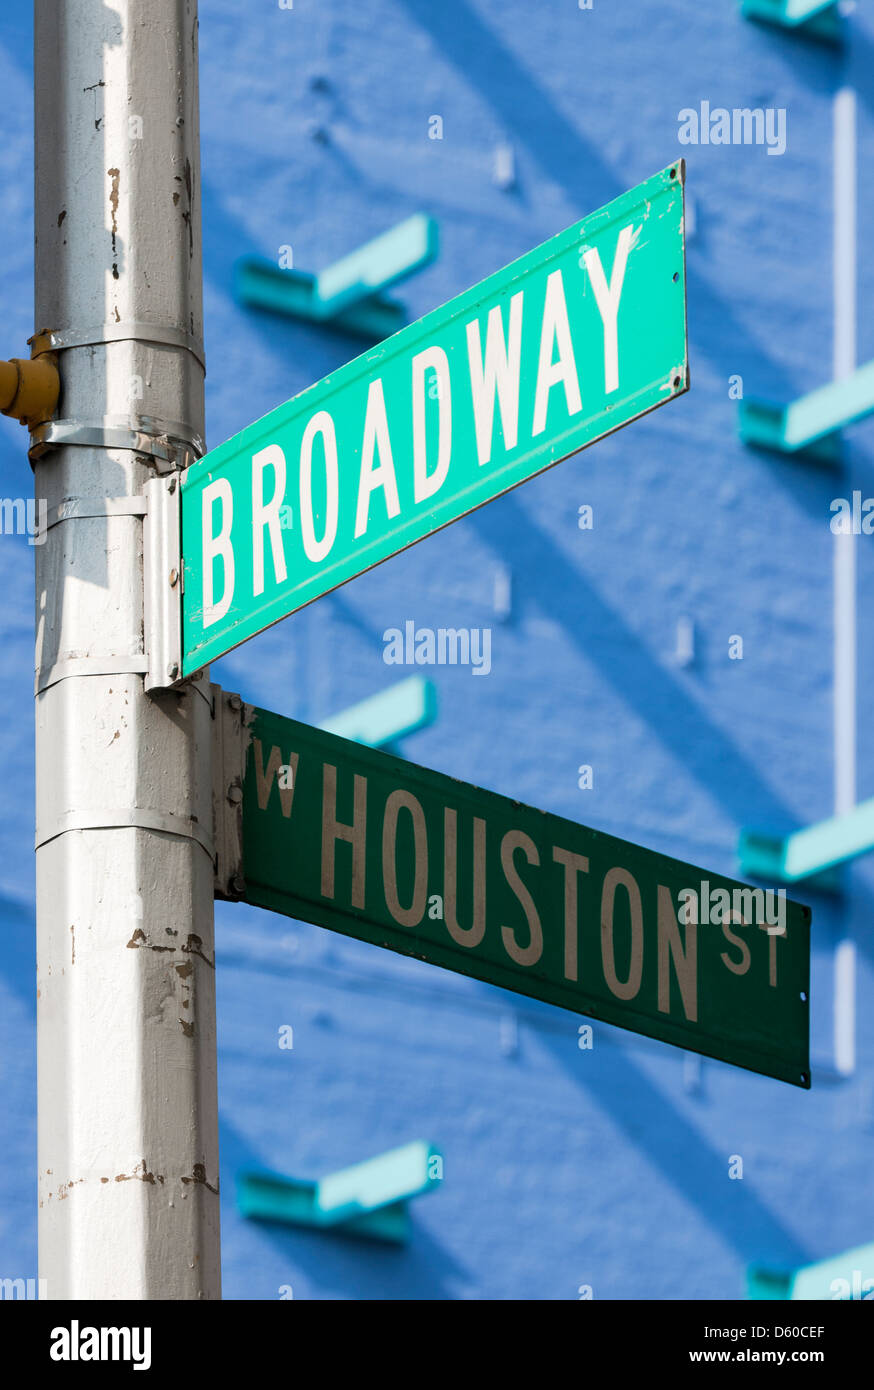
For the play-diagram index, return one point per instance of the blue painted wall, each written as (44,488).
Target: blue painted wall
(564,1167)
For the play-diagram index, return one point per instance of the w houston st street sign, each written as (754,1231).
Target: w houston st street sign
(364,843)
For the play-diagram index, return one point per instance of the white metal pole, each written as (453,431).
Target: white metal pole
(128,1147)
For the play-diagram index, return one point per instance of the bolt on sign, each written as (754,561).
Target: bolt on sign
(580,336)
(369,845)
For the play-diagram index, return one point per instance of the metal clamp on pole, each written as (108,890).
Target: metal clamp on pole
(166,442)
(228,769)
(29,390)
(163,579)
(161,335)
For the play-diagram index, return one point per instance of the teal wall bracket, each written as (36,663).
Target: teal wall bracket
(260,284)
(763,857)
(812,854)
(369,1200)
(845,1277)
(382,719)
(816,19)
(349,294)
(768,1283)
(763,426)
(811,425)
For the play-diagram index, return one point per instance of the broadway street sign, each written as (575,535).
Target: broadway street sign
(580,336)
(367,844)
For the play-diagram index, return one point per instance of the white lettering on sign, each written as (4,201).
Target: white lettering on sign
(403,455)
(323,425)
(523,955)
(376,441)
(217,545)
(398,801)
(334,830)
(265,777)
(433,359)
(496,374)
(555,329)
(574,864)
(472,935)
(429,865)
(607,298)
(265,515)
(741,966)
(672,950)
(616,878)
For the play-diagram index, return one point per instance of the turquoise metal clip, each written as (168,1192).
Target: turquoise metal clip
(819,19)
(812,852)
(369,1200)
(390,715)
(811,425)
(847,1277)
(348,294)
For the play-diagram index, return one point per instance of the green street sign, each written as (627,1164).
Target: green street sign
(369,845)
(578,337)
